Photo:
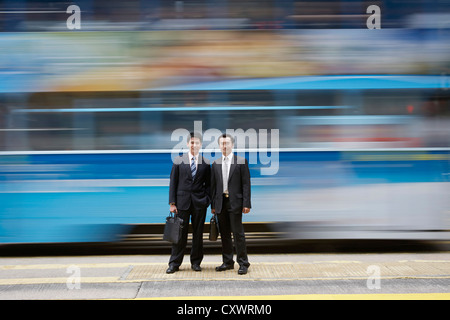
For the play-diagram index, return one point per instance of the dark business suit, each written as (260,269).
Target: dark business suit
(229,209)
(191,197)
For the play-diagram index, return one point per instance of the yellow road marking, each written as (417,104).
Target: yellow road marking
(259,271)
(80,265)
(83,279)
(362,296)
(23,281)
(126,264)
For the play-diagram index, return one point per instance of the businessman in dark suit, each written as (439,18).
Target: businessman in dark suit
(230,190)
(189,196)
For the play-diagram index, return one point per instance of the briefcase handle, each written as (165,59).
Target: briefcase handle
(173,215)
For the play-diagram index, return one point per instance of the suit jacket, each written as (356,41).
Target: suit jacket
(183,189)
(238,185)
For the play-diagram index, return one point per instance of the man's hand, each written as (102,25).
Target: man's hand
(245,210)
(173,208)
(213,211)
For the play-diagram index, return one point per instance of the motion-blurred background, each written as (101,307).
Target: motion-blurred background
(86,115)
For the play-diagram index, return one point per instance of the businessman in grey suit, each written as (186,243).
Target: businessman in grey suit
(189,196)
(230,190)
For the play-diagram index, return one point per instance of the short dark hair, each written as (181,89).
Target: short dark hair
(194,135)
(226,135)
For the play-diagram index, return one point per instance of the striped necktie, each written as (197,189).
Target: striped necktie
(193,168)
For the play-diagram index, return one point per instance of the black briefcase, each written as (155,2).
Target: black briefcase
(213,229)
(173,229)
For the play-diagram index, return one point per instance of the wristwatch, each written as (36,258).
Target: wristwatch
(172,203)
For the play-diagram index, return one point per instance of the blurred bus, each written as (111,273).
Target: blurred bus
(359,157)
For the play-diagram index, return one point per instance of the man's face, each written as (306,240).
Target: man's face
(226,146)
(194,145)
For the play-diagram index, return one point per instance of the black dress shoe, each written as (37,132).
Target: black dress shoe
(224,267)
(196,267)
(242,270)
(172,269)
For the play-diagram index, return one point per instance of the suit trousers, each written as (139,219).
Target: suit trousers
(197,216)
(231,222)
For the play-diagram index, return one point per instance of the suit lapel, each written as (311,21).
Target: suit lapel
(219,171)
(187,164)
(200,166)
(232,167)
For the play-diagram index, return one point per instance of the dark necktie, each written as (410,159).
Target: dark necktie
(193,168)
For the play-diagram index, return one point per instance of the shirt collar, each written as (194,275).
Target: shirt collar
(191,155)
(229,157)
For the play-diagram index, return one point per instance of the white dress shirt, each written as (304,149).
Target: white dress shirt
(226,164)
(196,160)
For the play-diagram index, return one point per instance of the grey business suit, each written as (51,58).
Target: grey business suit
(229,210)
